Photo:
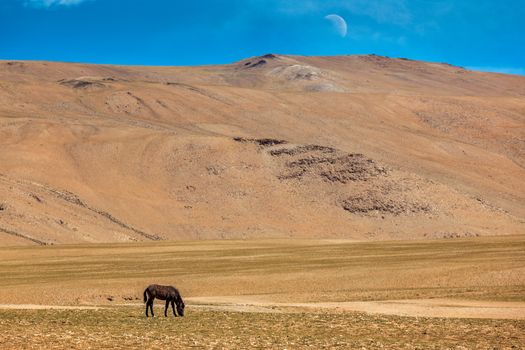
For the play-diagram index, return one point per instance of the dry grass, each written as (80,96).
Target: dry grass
(268,271)
(281,270)
(124,328)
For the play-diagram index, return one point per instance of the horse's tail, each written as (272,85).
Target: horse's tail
(145,295)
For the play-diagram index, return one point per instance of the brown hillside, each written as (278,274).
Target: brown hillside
(361,147)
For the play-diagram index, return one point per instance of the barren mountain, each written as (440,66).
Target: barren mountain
(361,147)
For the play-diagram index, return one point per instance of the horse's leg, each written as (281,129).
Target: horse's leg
(166,308)
(173,308)
(151,307)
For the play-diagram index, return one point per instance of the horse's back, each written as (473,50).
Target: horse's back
(161,292)
(152,287)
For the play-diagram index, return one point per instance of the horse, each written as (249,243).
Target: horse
(168,293)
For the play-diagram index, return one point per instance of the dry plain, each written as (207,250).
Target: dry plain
(462,293)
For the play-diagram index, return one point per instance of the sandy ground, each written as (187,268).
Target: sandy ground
(294,294)
(414,308)
(448,308)
(469,278)
(45,307)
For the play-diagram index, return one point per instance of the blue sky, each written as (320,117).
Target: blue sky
(488,35)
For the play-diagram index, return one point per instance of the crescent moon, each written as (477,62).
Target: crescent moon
(338,23)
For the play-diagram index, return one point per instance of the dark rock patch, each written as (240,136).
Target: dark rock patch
(36,198)
(258,64)
(261,142)
(329,164)
(355,182)
(451,235)
(81,84)
(16,65)
(301,149)
(370,203)
(20,235)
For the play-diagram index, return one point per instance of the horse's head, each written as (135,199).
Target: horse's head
(180,306)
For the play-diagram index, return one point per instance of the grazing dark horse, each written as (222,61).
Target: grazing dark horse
(168,293)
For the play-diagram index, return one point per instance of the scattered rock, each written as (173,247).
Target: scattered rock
(15,64)
(258,61)
(352,167)
(371,203)
(20,235)
(452,65)
(81,84)
(214,169)
(125,102)
(301,149)
(377,195)
(256,64)
(161,103)
(451,235)
(74,199)
(327,163)
(297,72)
(260,142)
(35,197)
(325,87)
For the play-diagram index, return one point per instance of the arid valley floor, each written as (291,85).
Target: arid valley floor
(457,294)
(296,202)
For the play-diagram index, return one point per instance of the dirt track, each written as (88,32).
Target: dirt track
(447,308)
(45,307)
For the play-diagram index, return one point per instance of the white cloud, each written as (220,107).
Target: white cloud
(49,3)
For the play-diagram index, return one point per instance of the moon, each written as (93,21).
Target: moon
(338,23)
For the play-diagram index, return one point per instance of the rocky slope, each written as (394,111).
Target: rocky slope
(361,147)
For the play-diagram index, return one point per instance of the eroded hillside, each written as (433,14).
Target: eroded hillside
(362,147)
